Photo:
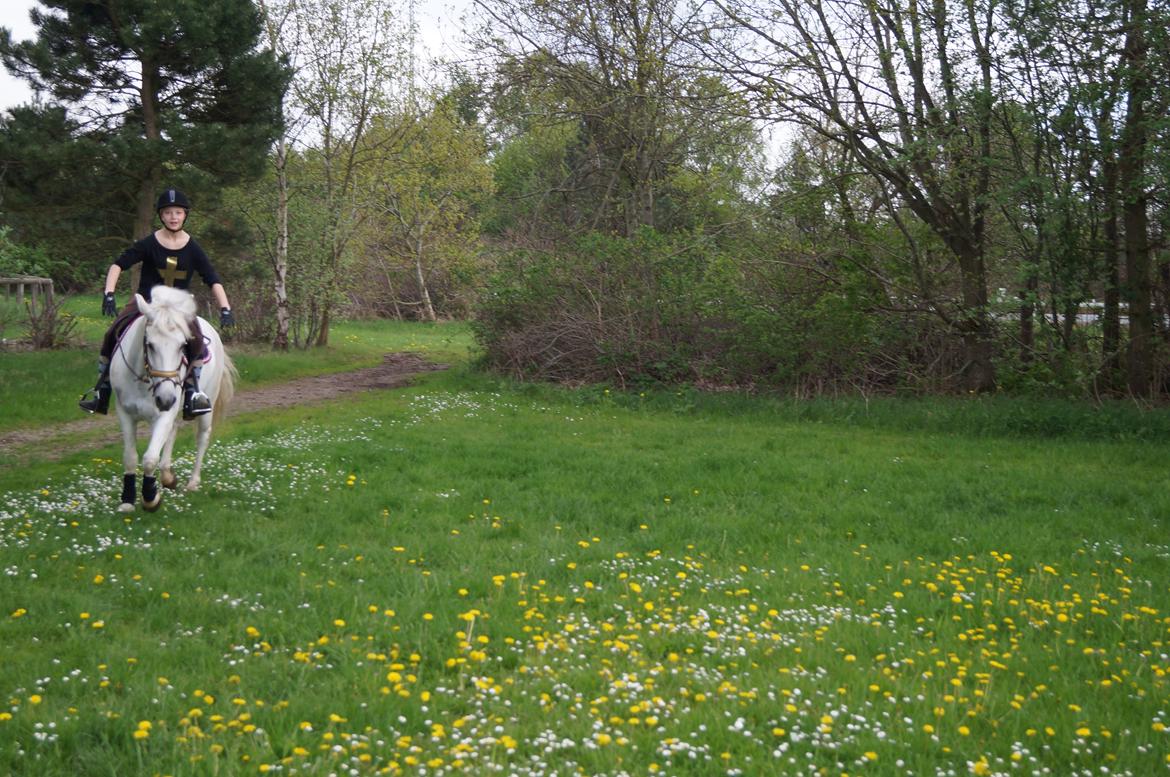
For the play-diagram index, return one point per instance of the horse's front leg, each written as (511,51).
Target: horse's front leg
(129,461)
(166,475)
(160,433)
(202,440)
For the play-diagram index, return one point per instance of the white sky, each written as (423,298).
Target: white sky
(14,16)
(438,20)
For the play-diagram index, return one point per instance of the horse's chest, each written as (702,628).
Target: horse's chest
(140,406)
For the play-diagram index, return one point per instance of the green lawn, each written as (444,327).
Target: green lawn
(470,576)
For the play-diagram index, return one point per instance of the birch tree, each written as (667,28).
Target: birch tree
(353,66)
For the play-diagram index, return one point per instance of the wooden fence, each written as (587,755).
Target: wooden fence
(37,287)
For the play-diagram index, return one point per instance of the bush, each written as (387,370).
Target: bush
(606,309)
(48,326)
(16,259)
(679,309)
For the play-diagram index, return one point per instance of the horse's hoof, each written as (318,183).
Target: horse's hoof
(168,480)
(151,507)
(193,485)
(126,507)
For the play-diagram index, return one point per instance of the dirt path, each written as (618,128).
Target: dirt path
(396,369)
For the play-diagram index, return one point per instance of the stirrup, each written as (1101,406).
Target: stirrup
(100,402)
(195,403)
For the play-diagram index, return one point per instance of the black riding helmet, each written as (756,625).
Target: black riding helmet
(172,198)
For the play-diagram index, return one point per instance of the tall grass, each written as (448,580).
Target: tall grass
(475,577)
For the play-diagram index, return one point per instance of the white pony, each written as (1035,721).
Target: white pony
(147,372)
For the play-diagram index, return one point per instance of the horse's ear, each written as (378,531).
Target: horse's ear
(143,305)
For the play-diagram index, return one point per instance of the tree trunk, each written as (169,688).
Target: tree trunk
(148,188)
(1028,315)
(1131,170)
(428,308)
(978,373)
(323,330)
(1111,315)
(280,260)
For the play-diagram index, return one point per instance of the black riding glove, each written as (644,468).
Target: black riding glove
(109,307)
(226,318)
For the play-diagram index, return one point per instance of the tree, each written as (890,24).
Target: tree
(182,89)
(609,79)
(1096,64)
(275,19)
(353,55)
(907,88)
(427,198)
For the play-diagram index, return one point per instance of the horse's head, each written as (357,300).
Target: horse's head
(168,327)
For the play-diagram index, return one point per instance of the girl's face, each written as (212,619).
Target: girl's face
(173,217)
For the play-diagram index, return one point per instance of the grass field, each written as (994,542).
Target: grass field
(470,576)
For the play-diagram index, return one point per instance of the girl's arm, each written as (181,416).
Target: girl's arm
(112,276)
(220,296)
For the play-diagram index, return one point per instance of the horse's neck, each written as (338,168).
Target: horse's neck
(131,340)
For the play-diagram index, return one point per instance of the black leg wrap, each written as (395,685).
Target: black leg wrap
(129,489)
(150,490)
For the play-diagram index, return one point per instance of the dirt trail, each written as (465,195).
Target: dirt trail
(396,369)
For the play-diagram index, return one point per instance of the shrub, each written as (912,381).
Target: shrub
(671,309)
(17,259)
(48,326)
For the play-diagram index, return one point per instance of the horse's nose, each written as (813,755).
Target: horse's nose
(164,403)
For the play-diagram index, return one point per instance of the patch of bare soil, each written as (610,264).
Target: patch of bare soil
(396,370)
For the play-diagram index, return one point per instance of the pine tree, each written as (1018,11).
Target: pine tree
(180,90)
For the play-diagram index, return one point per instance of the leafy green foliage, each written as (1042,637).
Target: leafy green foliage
(683,308)
(17,259)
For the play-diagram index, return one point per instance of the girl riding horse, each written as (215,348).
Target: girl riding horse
(170,257)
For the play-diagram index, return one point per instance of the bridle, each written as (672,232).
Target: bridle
(151,375)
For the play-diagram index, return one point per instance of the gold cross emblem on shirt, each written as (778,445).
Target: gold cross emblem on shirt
(173,273)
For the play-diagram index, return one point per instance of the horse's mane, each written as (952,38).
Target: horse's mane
(173,309)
